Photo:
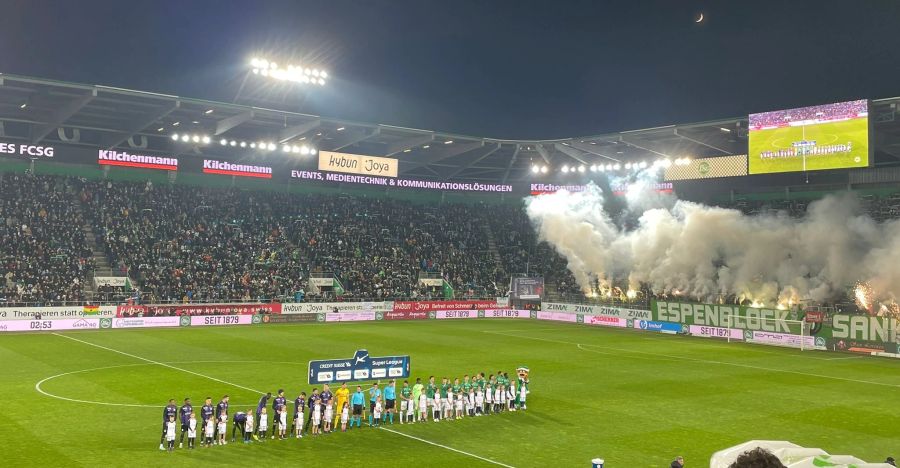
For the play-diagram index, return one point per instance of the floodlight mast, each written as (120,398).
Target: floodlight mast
(302,74)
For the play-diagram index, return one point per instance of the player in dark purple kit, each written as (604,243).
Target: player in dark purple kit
(299,404)
(263,402)
(206,411)
(311,403)
(278,404)
(238,423)
(326,396)
(169,411)
(220,407)
(185,413)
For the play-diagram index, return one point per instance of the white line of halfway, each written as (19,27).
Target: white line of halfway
(160,363)
(446,447)
(687,359)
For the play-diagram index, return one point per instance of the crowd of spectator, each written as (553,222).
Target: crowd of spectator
(524,255)
(837,111)
(183,243)
(44,254)
(193,244)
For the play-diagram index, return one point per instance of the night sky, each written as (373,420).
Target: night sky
(492,68)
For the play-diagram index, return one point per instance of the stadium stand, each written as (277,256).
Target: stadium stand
(183,243)
(45,256)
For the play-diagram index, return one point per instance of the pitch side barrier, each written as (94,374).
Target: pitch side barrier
(794,328)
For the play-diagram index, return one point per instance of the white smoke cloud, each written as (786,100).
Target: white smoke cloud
(705,252)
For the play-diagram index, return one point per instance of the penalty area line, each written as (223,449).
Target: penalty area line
(446,447)
(159,363)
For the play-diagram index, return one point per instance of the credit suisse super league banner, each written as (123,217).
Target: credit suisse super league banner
(358,368)
(54,313)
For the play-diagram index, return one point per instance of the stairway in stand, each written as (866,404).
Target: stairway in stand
(101,262)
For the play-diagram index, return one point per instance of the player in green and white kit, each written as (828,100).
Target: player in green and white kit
(430,393)
(405,400)
(445,404)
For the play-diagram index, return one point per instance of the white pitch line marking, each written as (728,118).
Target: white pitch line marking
(39,389)
(446,447)
(705,361)
(160,363)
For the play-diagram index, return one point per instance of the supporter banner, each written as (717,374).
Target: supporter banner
(814,316)
(431,282)
(454,314)
(716,332)
(148,322)
(709,168)
(557,316)
(864,328)
(197,309)
(27,151)
(506,313)
(50,325)
(316,307)
(54,313)
(201,321)
(121,158)
(357,164)
(358,368)
(114,281)
(322,282)
(784,339)
(860,346)
(348,316)
(605,320)
(726,316)
(212,166)
(284,318)
(527,288)
(651,325)
(444,305)
(405,315)
(598,310)
(402,183)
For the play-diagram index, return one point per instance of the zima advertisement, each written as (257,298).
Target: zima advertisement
(597,310)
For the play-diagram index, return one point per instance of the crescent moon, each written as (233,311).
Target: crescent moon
(700,19)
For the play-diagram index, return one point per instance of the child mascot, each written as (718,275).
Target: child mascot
(522,387)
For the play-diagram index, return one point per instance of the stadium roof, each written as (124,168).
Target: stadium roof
(34,109)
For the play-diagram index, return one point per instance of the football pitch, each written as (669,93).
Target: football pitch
(855,131)
(637,399)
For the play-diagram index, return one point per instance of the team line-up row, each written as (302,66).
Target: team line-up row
(322,411)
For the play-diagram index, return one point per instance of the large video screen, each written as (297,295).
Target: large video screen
(830,136)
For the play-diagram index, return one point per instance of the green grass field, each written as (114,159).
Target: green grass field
(855,131)
(636,399)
